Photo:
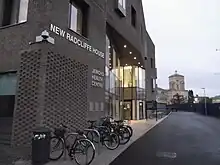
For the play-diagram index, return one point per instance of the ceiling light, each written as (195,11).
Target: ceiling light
(135,58)
(139,63)
(125,46)
(109,47)
(130,52)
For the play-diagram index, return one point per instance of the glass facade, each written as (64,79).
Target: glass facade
(112,81)
(125,87)
(133,76)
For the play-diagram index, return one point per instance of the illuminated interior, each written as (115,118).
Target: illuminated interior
(121,78)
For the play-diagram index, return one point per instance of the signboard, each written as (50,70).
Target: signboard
(75,40)
(98,78)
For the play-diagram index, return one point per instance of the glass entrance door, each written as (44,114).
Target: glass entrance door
(127,110)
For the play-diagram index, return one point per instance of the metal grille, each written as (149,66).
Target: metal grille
(65,92)
(27,97)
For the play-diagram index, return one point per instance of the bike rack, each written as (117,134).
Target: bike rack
(99,137)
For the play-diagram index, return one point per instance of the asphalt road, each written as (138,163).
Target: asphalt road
(182,139)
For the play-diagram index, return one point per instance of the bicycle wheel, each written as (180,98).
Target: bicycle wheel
(93,137)
(130,130)
(124,135)
(84,148)
(110,139)
(57,148)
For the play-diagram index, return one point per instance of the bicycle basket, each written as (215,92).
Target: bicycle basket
(59,132)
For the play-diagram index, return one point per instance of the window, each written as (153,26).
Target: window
(152,85)
(152,62)
(13,12)
(78,17)
(133,16)
(121,8)
(122,3)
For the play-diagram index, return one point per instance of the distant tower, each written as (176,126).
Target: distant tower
(176,82)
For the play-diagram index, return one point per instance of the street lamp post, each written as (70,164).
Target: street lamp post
(205,101)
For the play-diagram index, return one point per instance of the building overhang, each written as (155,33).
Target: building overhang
(127,53)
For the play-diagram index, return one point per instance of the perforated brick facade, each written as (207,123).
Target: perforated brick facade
(65,92)
(52,89)
(27,97)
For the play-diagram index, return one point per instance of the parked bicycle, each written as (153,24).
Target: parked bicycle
(121,123)
(81,146)
(118,127)
(107,138)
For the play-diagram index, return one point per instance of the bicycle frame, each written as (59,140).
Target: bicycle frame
(65,140)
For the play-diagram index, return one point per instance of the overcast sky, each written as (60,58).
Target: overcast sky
(186,34)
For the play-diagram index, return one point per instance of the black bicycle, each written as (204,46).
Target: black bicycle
(119,128)
(120,123)
(81,146)
(122,131)
(107,138)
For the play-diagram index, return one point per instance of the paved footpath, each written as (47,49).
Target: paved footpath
(107,156)
(181,139)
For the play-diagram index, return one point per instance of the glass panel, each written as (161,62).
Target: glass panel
(75,19)
(23,11)
(79,21)
(122,75)
(122,3)
(8,84)
(113,61)
(107,79)
(135,76)
(107,51)
(128,76)
(112,82)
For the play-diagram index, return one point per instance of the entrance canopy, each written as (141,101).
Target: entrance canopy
(129,56)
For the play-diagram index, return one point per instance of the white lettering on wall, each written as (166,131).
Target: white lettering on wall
(97,78)
(75,40)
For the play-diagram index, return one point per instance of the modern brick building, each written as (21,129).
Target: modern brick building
(97,60)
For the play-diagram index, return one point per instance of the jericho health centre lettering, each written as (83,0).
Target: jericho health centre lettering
(75,40)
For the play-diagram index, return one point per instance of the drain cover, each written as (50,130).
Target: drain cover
(170,155)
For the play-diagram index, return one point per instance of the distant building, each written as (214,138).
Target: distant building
(177,86)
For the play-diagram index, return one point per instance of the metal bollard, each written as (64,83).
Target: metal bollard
(99,137)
